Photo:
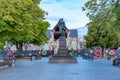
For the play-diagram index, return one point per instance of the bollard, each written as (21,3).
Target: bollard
(113,62)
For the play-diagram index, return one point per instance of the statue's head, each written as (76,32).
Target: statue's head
(61,21)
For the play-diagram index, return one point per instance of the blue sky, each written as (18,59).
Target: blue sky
(69,10)
(82,31)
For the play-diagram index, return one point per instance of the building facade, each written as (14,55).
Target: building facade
(72,40)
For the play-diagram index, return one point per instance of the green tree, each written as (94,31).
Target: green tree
(22,22)
(103,15)
(2,44)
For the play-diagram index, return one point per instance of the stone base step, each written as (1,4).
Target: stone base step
(62,60)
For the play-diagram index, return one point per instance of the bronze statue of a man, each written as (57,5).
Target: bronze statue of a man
(62,27)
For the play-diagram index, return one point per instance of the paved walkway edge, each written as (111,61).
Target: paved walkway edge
(3,67)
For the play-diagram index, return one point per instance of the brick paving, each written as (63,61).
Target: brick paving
(42,70)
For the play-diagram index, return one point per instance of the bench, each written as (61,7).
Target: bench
(9,61)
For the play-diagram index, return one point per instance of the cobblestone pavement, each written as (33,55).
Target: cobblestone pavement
(42,70)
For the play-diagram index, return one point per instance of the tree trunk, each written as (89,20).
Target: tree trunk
(19,47)
(102,52)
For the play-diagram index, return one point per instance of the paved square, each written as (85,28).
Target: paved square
(42,70)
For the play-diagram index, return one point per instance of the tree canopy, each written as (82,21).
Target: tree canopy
(104,25)
(22,21)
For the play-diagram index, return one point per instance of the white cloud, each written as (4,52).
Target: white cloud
(69,10)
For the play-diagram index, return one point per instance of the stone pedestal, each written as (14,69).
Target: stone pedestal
(62,55)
